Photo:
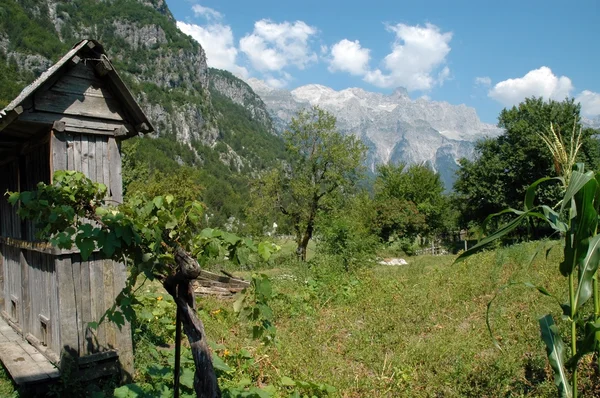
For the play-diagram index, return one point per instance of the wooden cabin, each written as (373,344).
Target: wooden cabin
(72,117)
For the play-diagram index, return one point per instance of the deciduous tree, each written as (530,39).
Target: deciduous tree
(506,165)
(323,164)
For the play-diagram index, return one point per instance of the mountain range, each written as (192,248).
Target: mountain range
(394,127)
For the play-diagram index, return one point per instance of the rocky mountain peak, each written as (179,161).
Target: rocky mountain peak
(400,92)
(394,127)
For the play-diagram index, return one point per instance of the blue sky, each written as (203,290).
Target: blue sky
(485,54)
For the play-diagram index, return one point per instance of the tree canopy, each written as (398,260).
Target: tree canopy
(323,164)
(409,201)
(506,165)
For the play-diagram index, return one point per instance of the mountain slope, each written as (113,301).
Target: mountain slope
(394,127)
(166,70)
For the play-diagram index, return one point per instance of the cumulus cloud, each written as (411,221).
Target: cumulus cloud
(538,82)
(349,56)
(206,12)
(217,41)
(484,81)
(273,46)
(590,103)
(417,54)
(280,82)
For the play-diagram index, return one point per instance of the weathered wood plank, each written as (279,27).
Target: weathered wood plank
(84,86)
(25,311)
(74,104)
(21,366)
(92,158)
(96,281)
(55,307)
(105,165)
(123,337)
(58,149)
(77,152)
(94,125)
(76,265)
(114,160)
(70,152)
(67,303)
(109,299)
(85,163)
(84,71)
(85,309)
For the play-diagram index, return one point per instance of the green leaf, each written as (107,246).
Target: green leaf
(219,364)
(554,219)
(587,270)
(261,393)
(158,202)
(13,198)
(264,250)
(288,382)
(129,391)
(530,193)
(238,304)
(584,220)
(578,180)
(502,231)
(555,349)
(187,378)
(86,246)
(263,286)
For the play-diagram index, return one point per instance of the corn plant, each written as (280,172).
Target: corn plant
(575,219)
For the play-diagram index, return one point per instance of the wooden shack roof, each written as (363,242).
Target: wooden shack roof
(23,118)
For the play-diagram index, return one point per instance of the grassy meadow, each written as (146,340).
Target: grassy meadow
(381,331)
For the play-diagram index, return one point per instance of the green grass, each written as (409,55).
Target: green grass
(7,388)
(409,331)
(414,331)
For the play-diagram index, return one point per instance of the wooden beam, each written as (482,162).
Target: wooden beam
(10,117)
(76,124)
(59,126)
(103,66)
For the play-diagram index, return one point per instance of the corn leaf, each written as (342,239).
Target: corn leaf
(555,349)
(587,269)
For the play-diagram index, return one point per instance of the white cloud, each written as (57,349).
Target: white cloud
(538,82)
(278,82)
(349,56)
(416,55)
(443,75)
(484,81)
(217,42)
(274,46)
(206,12)
(590,103)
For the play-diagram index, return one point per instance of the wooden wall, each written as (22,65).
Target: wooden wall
(13,307)
(40,298)
(96,156)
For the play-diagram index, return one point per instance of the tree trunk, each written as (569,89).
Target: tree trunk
(180,287)
(303,240)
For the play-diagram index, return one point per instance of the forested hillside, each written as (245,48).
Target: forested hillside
(200,126)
